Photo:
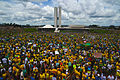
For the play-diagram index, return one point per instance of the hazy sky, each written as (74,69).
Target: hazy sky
(79,12)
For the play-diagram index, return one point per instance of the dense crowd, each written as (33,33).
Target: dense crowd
(60,56)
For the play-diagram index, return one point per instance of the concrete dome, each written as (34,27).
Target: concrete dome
(48,26)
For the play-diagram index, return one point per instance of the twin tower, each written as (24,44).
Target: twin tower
(57,17)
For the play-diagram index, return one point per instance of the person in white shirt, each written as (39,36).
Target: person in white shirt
(51,53)
(66,71)
(103,77)
(35,62)
(52,65)
(109,66)
(116,78)
(54,78)
(34,45)
(65,50)
(10,62)
(111,77)
(3,69)
(10,70)
(26,59)
(21,76)
(4,61)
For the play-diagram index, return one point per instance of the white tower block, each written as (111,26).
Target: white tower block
(59,16)
(55,17)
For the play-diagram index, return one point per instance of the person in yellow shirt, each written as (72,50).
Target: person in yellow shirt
(77,73)
(54,71)
(42,76)
(51,77)
(63,75)
(58,72)
(47,75)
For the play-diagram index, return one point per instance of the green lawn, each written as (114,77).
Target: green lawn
(30,29)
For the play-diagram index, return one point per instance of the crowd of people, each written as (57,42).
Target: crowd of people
(60,56)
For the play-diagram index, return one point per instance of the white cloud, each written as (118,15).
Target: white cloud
(24,13)
(113,2)
(101,12)
(48,11)
(88,11)
(86,7)
(30,0)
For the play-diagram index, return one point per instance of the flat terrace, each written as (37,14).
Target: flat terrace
(63,29)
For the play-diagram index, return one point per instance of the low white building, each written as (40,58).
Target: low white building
(47,26)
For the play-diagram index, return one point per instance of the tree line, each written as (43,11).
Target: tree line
(28,26)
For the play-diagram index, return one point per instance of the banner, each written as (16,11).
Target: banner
(98,55)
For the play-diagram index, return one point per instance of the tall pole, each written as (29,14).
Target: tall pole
(55,17)
(59,16)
